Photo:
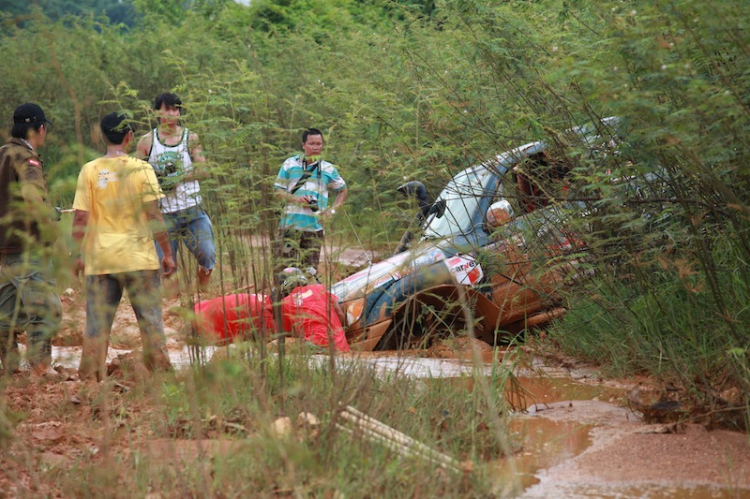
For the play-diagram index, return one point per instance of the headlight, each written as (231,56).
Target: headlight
(354,311)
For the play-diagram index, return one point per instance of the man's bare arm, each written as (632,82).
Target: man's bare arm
(196,150)
(143,149)
(200,170)
(340,198)
(339,312)
(80,222)
(159,229)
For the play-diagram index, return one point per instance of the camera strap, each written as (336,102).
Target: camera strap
(305,175)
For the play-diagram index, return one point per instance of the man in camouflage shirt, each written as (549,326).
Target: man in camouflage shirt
(28,301)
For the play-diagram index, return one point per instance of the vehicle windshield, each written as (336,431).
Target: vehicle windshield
(460,198)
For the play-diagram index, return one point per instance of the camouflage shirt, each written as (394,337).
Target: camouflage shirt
(19,165)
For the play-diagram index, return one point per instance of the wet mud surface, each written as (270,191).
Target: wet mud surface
(628,458)
(592,446)
(579,437)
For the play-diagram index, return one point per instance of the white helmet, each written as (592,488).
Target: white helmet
(499,213)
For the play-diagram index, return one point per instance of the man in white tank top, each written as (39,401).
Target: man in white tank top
(177,158)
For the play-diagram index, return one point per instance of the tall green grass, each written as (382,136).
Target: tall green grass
(236,400)
(408,96)
(664,322)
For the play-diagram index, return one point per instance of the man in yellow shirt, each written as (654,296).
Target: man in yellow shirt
(117,212)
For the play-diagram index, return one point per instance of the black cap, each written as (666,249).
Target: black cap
(29,113)
(116,123)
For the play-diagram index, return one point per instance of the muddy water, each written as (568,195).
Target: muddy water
(546,443)
(545,466)
(542,468)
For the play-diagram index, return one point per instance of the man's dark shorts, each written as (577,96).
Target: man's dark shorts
(298,248)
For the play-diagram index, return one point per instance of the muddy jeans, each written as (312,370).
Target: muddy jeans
(28,302)
(103,294)
(296,248)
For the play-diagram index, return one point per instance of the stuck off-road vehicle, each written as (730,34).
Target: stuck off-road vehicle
(493,250)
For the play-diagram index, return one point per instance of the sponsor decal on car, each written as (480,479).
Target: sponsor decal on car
(397,276)
(465,270)
(381,281)
(431,257)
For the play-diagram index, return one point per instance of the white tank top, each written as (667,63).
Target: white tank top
(174,160)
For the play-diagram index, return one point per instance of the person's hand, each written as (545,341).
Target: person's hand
(305,200)
(168,266)
(79,268)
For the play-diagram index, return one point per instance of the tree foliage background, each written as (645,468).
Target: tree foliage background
(420,90)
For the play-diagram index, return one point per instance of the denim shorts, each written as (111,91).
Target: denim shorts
(193,228)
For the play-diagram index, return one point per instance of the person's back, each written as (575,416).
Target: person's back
(311,312)
(116,221)
(119,237)
(226,318)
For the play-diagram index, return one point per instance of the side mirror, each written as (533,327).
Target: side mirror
(499,214)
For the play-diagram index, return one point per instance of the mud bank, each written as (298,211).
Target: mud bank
(628,458)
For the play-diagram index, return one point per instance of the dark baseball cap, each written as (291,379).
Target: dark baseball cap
(29,113)
(116,123)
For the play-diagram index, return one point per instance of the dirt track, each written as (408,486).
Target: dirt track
(626,458)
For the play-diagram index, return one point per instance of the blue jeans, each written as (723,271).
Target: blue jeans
(192,227)
(103,295)
(28,302)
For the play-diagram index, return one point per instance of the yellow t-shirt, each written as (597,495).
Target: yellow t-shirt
(115,192)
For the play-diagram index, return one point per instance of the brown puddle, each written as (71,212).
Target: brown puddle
(555,451)
(547,443)
(534,393)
